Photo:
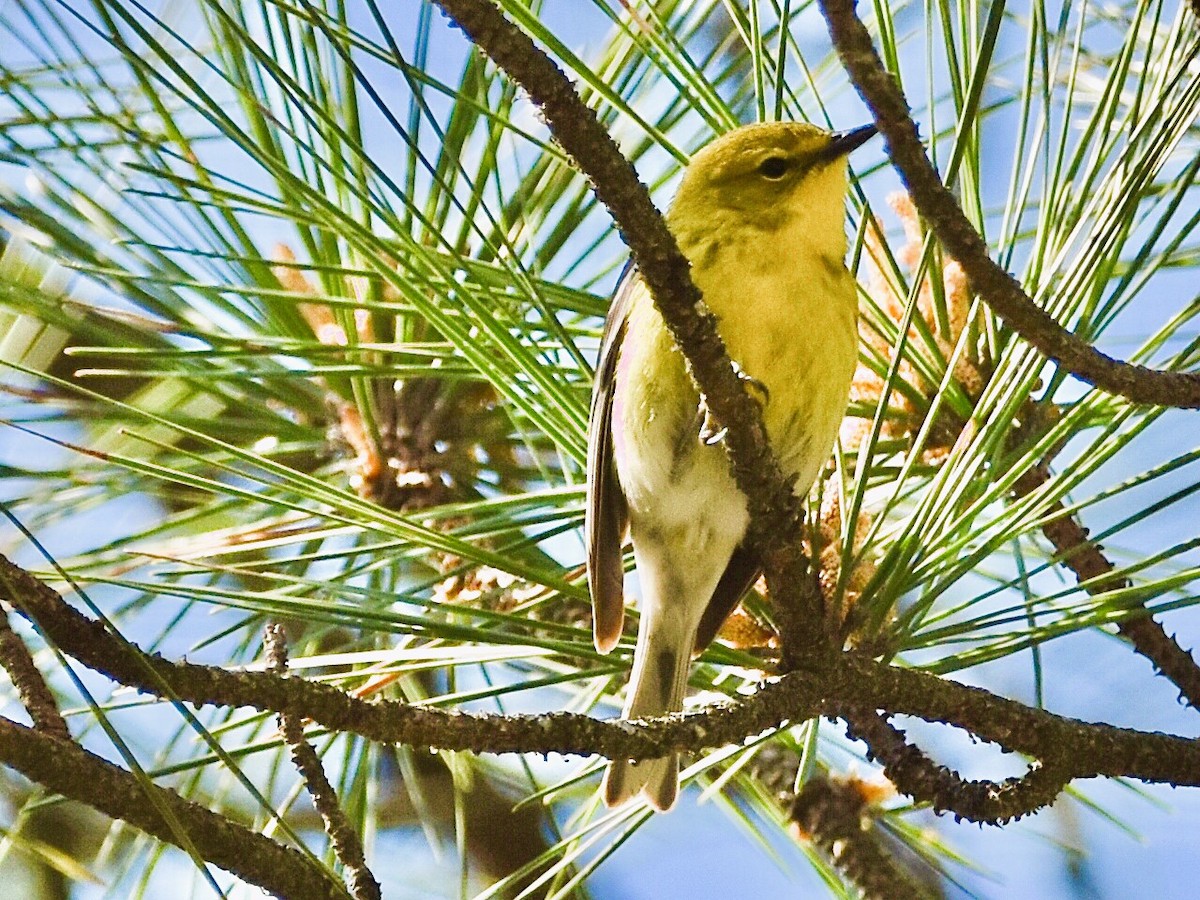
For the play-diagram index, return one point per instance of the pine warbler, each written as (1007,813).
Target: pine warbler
(760,215)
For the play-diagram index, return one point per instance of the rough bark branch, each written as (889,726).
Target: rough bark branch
(836,687)
(35,694)
(1079,553)
(915,774)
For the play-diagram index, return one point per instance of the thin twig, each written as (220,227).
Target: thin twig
(937,205)
(346,845)
(69,770)
(35,694)
(1075,549)
(1151,640)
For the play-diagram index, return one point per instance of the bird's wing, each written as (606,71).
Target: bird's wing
(743,570)
(607,515)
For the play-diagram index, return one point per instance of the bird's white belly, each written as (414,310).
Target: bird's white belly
(693,498)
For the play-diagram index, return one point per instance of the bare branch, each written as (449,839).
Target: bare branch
(937,205)
(342,836)
(1151,640)
(1063,744)
(1094,570)
(915,774)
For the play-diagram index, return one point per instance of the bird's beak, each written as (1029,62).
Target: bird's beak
(845,141)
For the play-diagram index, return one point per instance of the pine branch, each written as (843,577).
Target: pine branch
(1075,550)
(915,774)
(342,836)
(35,694)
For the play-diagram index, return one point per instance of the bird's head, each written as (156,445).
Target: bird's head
(768,178)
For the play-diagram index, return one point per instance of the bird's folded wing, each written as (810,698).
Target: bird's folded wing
(607,515)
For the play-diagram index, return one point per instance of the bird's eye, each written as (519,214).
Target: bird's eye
(773,167)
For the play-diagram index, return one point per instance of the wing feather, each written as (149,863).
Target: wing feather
(607,515)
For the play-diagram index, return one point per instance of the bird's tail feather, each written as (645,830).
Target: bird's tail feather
(660,669)
(658,779)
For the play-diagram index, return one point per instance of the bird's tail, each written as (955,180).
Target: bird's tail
(660,669)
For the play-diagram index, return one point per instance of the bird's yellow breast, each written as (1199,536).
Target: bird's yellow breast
(789,325)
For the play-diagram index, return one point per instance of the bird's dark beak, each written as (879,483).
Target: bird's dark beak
(845,141)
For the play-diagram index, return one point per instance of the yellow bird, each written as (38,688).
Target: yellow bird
(760,215)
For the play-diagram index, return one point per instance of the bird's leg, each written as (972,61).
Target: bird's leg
(756,389)
(710,431)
